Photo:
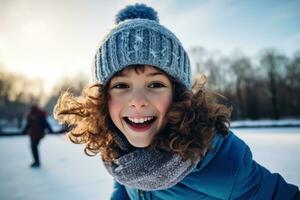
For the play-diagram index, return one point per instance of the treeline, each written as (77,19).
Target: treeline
(18,94)
(266,86)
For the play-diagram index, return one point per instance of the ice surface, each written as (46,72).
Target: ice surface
(266,123)
(67,173)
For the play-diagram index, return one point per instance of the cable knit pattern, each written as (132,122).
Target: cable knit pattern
(147,169)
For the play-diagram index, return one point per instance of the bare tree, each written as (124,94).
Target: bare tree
(17,93)
(274,65)
(247,86)
(292,86)
(73,84)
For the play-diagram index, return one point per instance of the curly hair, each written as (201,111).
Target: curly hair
(191,122)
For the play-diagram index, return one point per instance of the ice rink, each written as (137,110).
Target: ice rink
(67,173)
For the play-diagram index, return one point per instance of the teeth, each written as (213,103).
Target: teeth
(139,120)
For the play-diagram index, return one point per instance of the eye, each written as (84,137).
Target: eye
(120,86)
(156,85)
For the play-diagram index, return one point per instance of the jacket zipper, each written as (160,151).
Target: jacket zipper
(141,195)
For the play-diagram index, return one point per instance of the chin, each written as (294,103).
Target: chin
(139,144)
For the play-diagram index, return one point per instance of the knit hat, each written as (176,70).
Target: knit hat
(138,38)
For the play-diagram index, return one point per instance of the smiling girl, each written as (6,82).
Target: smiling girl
(159,137)
(139,102)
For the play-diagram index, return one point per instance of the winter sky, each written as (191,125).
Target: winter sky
(51,39)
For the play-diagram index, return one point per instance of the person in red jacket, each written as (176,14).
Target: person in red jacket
(36,123)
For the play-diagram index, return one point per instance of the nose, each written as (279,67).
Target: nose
(138,100)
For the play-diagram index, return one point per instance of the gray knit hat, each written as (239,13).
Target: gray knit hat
(138,38)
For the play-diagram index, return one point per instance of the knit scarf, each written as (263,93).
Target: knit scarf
(148,169)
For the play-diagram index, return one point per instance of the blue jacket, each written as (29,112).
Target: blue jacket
(226,172)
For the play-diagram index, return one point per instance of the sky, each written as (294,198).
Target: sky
(54,39)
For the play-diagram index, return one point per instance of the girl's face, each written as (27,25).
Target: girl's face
(138,103)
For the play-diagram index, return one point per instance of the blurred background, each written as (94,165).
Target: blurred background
(249,50)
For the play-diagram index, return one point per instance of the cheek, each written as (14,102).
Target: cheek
(164,103)
(114,107)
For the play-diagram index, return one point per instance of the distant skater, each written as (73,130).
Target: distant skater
(36,123)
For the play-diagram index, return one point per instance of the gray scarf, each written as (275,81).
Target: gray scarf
(148,169)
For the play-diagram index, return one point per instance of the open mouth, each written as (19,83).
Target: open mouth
(140,124)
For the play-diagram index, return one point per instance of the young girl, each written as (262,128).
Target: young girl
(159,137)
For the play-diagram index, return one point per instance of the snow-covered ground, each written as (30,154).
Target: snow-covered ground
(66,173)
(266,123)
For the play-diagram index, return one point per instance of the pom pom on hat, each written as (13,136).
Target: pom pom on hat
(140,11)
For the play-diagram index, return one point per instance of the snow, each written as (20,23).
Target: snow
(67,173)
(266,123)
